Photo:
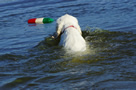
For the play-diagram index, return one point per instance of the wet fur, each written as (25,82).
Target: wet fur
(70,37)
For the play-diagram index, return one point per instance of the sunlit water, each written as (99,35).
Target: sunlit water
(31,60)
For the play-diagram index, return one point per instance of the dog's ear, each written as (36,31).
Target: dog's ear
(58,29)
(77,26)
(79,29)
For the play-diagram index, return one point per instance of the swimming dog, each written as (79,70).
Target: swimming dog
(70,33)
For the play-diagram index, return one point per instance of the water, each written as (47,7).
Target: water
(30,59)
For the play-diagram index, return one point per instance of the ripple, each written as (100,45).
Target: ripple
(17,82)
(116,84)
(28,61)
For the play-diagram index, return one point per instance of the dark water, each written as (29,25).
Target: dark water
(31,60)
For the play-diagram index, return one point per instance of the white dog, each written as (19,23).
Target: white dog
(71,35)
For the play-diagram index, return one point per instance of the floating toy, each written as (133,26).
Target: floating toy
(40,20)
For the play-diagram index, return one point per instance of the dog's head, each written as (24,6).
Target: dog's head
(65,21)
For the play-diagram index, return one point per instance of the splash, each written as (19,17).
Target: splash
(102,44)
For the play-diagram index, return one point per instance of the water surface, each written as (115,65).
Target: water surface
(30,59)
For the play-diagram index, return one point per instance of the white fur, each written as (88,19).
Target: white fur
(71,38)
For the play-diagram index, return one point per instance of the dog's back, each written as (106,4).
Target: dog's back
(70,32)
(72,40)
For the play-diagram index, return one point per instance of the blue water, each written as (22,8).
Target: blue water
(30,60)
